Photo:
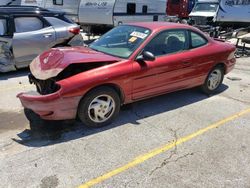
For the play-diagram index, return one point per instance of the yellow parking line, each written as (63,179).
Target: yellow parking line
(21,86)
(142,158)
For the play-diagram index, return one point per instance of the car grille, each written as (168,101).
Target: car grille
(199,20)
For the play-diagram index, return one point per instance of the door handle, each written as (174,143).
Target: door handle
(47,35)
(186,63)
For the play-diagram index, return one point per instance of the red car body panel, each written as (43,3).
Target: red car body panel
(56,109)
(52,62)
(135,80)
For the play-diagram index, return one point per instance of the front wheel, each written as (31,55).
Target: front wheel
(213,80)
(99,107)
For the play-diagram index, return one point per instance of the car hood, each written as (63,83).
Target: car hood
(52,62)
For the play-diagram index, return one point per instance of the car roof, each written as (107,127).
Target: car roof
(161,25)
(16,9)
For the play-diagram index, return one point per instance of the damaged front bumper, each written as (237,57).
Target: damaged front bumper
(50,109)
(51,106)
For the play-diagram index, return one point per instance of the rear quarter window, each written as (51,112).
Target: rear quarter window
(26,24)
(197,40)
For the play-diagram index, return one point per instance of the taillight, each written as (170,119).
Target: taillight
(75,30)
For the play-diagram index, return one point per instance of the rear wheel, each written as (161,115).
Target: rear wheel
(213,80)
(99,107)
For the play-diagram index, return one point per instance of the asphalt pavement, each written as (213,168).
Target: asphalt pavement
(181,139)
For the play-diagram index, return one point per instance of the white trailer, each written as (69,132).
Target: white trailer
(39,3)
(70,7)
(234,12)
(106,13)
(224,13)
(114,12)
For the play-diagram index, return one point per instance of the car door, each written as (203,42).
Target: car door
(202,54)
(6,60)
(32,36)
(171,68)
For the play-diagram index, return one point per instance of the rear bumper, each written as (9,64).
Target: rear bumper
(58,108)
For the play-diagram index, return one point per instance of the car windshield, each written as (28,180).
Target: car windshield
(207,7)
(121,41)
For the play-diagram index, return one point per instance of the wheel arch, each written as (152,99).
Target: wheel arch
(220,64)
(112,86)
(115,87)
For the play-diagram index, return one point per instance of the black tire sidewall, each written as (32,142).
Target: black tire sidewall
(85,102)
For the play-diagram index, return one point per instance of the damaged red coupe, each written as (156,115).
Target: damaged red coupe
(129,63)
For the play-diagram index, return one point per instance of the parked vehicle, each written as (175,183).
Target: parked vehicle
(10,2)
(180,8)
(227,14)
(129,63)
(26,32)
(70,7)
(99,16)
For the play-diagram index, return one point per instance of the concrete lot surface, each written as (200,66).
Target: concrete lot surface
(182,139)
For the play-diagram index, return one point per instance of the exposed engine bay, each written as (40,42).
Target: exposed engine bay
(48,86)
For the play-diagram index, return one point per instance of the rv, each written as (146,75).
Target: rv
(222,13)
(100,15)
(68,6)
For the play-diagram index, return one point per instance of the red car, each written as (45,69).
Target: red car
(129,63)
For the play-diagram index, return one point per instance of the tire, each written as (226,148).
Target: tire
(99,107)
(39,124)
(36,123)
(213,80)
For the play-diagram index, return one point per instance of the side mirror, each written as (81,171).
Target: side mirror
(146,56)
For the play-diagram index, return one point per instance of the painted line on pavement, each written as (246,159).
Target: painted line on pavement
(140,159)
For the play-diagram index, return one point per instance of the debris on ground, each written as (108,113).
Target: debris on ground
(234,78)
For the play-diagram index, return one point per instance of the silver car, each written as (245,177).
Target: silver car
(27,31)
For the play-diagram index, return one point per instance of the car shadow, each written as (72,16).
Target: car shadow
(14,74)
(44,133)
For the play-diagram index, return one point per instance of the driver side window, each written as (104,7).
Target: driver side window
(168,42)
(197,40)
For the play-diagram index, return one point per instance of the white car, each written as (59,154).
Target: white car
(27,31)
